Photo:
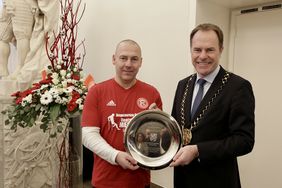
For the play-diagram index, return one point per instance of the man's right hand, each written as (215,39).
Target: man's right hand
(126,161)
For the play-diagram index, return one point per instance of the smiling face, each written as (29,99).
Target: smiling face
(205,51)
(127,60)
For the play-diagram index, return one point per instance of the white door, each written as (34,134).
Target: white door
(256,54)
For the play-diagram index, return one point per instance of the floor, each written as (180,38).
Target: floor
(87,170)
(87,184)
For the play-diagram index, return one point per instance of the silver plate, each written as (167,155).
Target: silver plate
(152,137)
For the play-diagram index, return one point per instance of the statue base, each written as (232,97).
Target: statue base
(8,87)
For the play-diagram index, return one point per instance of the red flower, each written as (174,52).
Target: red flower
(75,95)
(71,106)
(20,95)
(75,77)
(26,92)
(46,81)
(19,100)
(36,86)
(17,94)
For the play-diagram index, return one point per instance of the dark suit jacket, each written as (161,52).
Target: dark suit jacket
(225,132)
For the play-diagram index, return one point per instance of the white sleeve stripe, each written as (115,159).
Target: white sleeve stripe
(92,139)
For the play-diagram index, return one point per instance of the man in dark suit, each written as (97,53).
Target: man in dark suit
(222,127)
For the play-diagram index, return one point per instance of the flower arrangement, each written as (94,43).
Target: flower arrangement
(60,94)
(62,91)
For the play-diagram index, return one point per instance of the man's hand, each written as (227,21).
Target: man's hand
(153,106)
(126,161)
(185,155)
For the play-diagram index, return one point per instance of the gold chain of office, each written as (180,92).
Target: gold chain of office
(187,132)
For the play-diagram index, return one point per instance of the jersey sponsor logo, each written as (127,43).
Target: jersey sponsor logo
(142,103)
(119,121)
(111,120)
(111,103)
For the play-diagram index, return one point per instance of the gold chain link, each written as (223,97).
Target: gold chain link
(200,116)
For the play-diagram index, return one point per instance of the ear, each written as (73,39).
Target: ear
(113,59)
(141,61)
(221,50)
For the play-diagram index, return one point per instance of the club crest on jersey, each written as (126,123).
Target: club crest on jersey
(142,103)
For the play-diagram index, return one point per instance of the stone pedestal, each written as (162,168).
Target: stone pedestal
(4,101)
(27,155)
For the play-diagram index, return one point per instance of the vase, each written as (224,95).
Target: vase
(67,168)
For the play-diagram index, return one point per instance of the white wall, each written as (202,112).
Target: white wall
(258,41)
(208,11)
(161,27)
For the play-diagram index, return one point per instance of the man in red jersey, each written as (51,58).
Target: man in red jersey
(108,108)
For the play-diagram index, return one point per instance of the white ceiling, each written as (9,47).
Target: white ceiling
(241,3)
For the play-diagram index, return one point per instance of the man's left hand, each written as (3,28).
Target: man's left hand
(185,155)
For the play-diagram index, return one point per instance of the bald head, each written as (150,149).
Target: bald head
(127,42)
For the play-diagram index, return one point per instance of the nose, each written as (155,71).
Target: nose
(203,54)
(128,63)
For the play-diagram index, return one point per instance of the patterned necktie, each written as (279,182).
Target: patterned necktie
(199,96)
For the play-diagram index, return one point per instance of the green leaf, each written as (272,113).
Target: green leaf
(54,112)
(21,112)
(26,109)
(31,121)
(38,106)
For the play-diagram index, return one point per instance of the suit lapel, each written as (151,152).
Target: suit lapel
(189,98)
(212,90)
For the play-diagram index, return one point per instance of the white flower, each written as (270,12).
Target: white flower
(46,98)
(43,86)
(59,66)
(70,81)
(64,83)
(59,100)
(68,75)
(63,73)
(60,62)
(60,89)
(55,75)
(28,98)
(54,92)
(23,103)
(55,81)
(78,101)
(65,100)
(79,91)
(68,89)
(22,122)
(80,106)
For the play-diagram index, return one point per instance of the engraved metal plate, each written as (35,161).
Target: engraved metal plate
(152,137)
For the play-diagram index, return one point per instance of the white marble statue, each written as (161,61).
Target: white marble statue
(16,25)
(26,23)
